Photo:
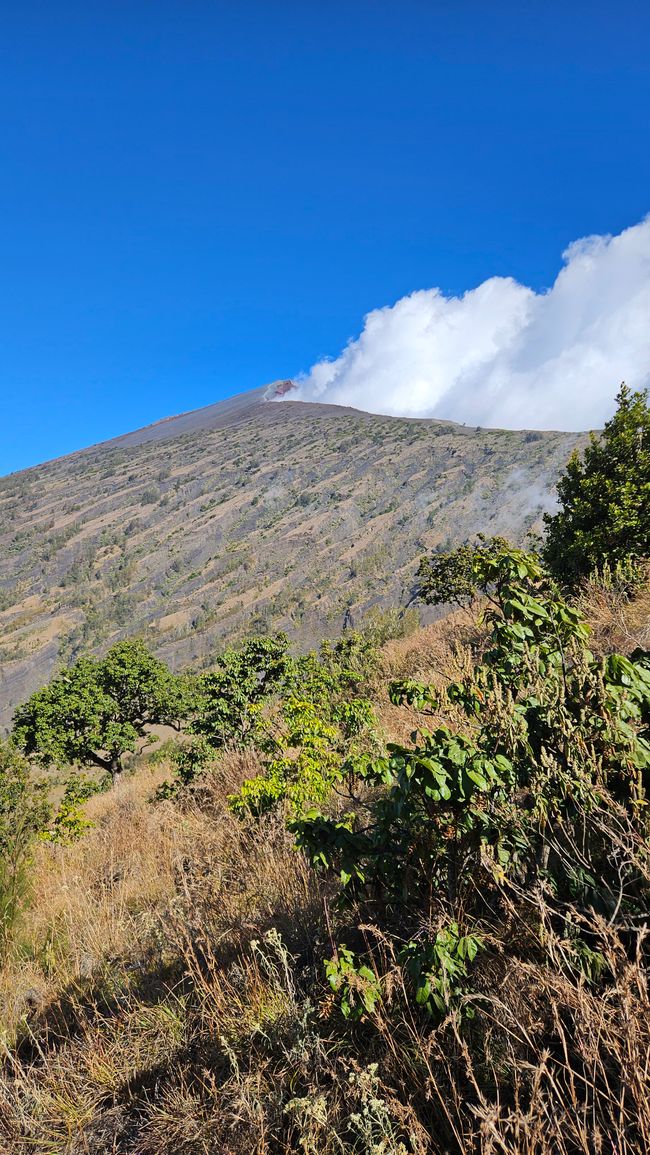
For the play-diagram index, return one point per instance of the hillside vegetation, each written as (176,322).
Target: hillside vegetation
(246,518)
(389,897)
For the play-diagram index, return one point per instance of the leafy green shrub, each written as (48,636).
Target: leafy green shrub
(320,720)
(230,698)
(302,770)
(356,985)
(450,576)
(556,743)
(69,822)
(437,967)
(604,496)
(188,761)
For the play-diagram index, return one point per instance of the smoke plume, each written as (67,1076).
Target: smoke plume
(502,354)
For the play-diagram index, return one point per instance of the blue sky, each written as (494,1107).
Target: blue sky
(197,198)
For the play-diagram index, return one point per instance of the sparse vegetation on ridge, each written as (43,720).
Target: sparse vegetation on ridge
(230,549)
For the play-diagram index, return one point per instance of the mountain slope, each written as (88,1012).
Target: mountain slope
(217,416)
(243,516)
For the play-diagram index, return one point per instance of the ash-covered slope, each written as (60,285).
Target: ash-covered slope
(217,416)
(245,516)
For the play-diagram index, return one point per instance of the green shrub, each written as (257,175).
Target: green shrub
(450,576)
(98,710)
(356,984)
(231,697)
(188,761)
(437,968)
(604,496)
(302,770)
(23,814)
(557,742)
(320,721)
(69,822)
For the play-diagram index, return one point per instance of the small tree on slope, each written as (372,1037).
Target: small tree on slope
(97,711)
(604,515)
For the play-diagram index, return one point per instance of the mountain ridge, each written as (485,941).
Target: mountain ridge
(231,410)
(245,516)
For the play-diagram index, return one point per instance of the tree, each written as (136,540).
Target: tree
(98,710)
(450,577)
(305,714)
(604,514)
(230,697)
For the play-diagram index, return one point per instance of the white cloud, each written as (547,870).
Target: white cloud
(502,354)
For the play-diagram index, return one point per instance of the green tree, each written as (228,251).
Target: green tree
(451,577)
(98,710)
(604,514)
(320,721)
(230,697)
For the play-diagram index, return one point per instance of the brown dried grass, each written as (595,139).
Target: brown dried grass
(166,995)
(620,623)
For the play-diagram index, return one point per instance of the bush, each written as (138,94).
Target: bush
(556,750)
(322,719)
(69,822)
(451,577)
(231,697)
(604,515)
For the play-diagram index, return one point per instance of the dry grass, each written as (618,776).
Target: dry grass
(440,653)
(176,1014)
(137,940)
(166,994)
(619,623)
(88,899)
(446,650)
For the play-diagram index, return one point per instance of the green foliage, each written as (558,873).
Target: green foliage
(308,758)
(604,515)
(188,760)
(303,769)
(404,851)
(142,685)
(349,662)
(435,969)
(260,794)
(231,696)
(303,714)
(23,814)
(554,739)
(319,722)
(354,717)
(438,967)
(98,710)
(452,577)
(69,822)
(357,986)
